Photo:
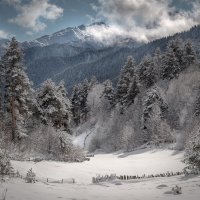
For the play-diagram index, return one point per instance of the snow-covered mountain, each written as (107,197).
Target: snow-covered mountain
(76,36)
(80,36)
(73,52)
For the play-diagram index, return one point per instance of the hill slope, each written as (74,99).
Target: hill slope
(71,56)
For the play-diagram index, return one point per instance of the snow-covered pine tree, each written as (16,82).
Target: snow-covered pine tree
(66,144)
(5,165)
(147,73)
(124,81)
(47,101)
(157,59)
(75,101)
(79,102)
(173,60)
(1,94)
(53,105)
(133,91)
(178,47)
(30,176)
(65,110)
(152,96)
(18,92)
(197,106)
(157,55)
(108,92)
(154,110)
(189,54)
(192,156)
(170,67)
(83,100)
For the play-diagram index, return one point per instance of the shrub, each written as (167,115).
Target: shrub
(5,165)
(30,176)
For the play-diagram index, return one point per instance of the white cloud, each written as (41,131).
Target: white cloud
(33,14)
(142,20)
(3,34)
(29,33)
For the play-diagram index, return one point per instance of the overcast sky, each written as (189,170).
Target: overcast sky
(141,19)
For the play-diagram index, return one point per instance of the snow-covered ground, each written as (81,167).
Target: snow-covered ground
(149,161)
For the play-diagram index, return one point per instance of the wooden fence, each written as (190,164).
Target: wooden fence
(13,174)
(104,178)
(168,174)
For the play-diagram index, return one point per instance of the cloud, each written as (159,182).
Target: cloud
(33,14)
(3,34)
(11,2)
(143,20)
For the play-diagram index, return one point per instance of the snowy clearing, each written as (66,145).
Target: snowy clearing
(135,163)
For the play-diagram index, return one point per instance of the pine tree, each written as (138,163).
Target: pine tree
(65,110)
(53,105)
(47,101)
(157,60)
(133,91)
(173,61)
(154,110)
(197,105)
(193,152)
(83,100)
(1,94)
(5,165)
(79,102)
(189,54)
(18,92)
(125,78)
(147,73)
(170,68)
(153,96)
(108,92)
(75,101)
(157,54)
(178,48)
(30,176)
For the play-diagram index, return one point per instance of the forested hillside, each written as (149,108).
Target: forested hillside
(73,63)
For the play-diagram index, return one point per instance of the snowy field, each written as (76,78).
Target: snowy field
(135,163)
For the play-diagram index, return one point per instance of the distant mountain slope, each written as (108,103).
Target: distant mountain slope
(71,56)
